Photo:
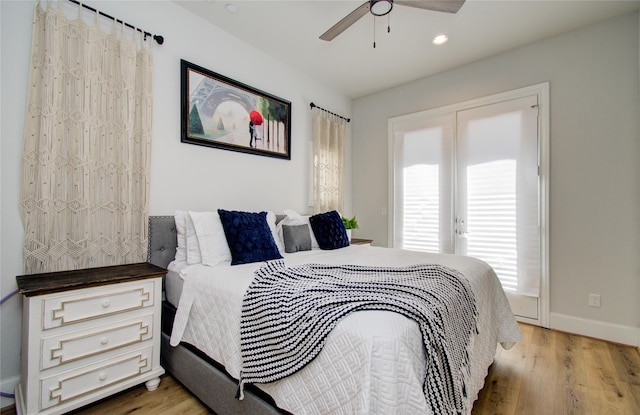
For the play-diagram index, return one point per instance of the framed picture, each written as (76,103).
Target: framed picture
(222,113)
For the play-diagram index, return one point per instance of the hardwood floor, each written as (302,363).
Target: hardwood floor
(549,373)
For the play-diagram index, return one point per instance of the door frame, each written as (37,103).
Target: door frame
(542,92)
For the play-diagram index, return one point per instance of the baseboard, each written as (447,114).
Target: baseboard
(615,333)
(8,385)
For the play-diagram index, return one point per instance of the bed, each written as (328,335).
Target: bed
(370,362)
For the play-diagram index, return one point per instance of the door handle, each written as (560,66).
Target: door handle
(460,228)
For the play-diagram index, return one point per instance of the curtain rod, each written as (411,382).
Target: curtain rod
(312,105)
(157,38)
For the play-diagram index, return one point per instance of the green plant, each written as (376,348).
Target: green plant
(350,223)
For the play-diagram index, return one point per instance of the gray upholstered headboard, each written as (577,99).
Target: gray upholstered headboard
(163,240)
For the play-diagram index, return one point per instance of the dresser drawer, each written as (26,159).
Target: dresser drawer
(80,305)
(67,386)
(69,347)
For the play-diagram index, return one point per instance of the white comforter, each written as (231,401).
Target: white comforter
(372,360)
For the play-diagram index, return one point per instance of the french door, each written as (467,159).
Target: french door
(467,182)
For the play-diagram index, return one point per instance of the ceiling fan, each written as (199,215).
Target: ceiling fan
(383,7)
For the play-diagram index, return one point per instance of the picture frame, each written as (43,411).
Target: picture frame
(219,112)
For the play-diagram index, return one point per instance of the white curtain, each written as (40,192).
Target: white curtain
(87,137)
(329,140)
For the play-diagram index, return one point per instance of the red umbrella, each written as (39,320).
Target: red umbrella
(255,117)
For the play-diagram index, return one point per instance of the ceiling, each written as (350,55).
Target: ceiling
(289,30)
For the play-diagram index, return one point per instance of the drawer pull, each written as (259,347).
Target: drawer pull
(104,340)
(105,303)
(102,376)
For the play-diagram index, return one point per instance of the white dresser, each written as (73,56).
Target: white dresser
(88,334)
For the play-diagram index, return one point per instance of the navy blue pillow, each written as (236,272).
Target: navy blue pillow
(248,236)
(329,230)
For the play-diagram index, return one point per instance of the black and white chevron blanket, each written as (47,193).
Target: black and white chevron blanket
(287,314)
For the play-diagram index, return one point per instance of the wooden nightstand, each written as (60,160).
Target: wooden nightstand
(357,241)
(88,334)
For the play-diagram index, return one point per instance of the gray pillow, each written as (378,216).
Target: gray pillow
(296,238)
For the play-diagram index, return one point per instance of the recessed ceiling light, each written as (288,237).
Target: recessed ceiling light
(231,8)
(440,40)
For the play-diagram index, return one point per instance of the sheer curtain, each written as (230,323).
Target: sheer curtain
(329,140)
(87,137)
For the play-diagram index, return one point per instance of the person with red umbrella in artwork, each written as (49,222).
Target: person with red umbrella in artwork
(255,119)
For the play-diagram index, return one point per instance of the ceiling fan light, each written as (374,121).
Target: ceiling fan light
(380,7)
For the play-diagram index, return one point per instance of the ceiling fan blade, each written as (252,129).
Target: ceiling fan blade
(346,22)
(447,6)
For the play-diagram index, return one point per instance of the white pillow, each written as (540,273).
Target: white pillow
(193,246)
(180,217)
(213,247)
(294,218)
(275,231)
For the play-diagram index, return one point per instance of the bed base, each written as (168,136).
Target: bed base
(207,380)
(203,377)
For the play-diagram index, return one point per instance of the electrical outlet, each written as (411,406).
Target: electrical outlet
(594,300)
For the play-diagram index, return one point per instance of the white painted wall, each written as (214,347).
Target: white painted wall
(183,176)
(595,178)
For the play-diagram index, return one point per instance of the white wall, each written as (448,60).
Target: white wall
(183,176)
(595,179)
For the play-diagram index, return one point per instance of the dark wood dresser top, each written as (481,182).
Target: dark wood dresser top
(52,282)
